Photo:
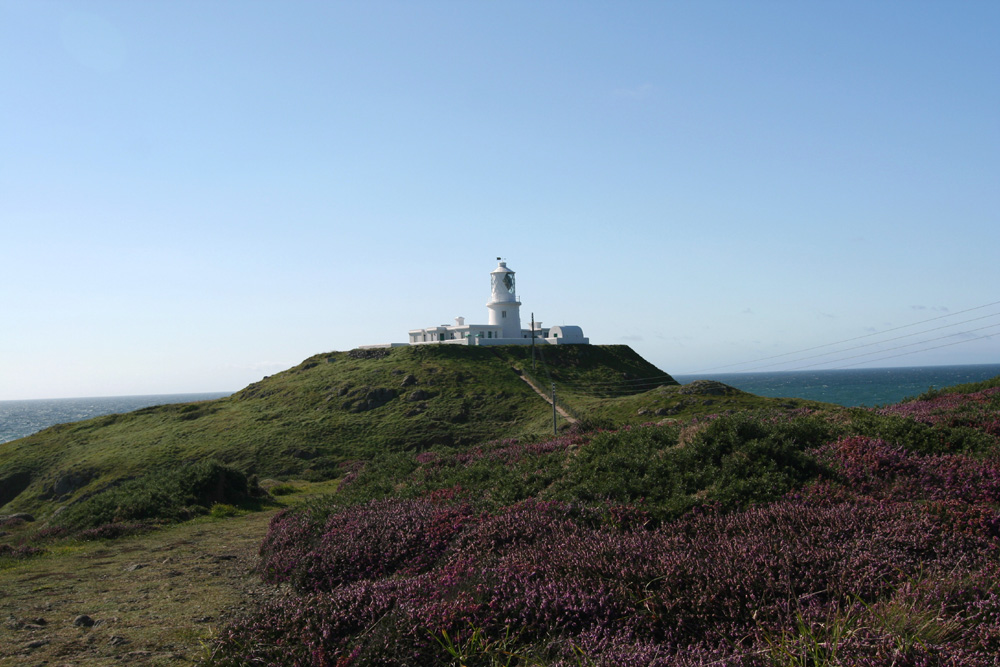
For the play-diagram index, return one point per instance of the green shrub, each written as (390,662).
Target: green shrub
(735,461)
(167,495)
(918,437)
(223,510)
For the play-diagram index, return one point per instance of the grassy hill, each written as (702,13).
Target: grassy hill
(331,409)
(683,525)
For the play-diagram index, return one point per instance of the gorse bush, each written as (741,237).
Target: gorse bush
(174,494)
(733,461)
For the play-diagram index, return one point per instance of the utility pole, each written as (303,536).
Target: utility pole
(554,425)
(532,342)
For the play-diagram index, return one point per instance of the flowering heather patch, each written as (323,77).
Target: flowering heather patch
(111,531)
(20,551)
(360,542)
(51,533)
(874,467)
(734,586)
(802,546)
(979,410)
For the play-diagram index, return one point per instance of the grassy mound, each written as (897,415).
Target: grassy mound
(311,419)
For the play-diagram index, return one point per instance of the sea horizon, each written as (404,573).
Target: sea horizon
(851,387)
(20,418)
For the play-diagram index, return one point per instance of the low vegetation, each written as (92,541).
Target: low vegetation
(768,538)
(309,420)
(668,525)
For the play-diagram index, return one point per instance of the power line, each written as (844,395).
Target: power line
(618,383)
(847,340)
(900,347)
(958,342)
(880,342)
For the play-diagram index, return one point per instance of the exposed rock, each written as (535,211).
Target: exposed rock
(69,483)
(38,643)
(117,640)
(709,388)
(372,353)
(134,566)
(23,516)
(418,395)
(409,380)
(83,621)
(12,485)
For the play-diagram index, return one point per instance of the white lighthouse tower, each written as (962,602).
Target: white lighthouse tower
(505,309)
(505,323)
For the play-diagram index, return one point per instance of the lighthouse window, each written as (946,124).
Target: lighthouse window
(508,281)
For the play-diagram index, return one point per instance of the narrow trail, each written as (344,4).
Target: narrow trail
(548,399)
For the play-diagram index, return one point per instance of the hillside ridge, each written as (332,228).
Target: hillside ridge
(312,419)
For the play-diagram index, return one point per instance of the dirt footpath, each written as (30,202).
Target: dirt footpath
(149,600)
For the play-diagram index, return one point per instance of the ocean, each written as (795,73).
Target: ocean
(852,386)
(22,418)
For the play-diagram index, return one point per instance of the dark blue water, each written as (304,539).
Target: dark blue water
(21,418)
(854,386)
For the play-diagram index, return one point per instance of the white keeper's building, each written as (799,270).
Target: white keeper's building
(504,326)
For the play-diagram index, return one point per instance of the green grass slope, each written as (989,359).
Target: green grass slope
(330,409)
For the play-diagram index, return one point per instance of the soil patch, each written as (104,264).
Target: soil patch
(152,599)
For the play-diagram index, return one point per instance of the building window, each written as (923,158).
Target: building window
(503,313)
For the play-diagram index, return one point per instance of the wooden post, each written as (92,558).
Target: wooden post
(555,430)
(532,342)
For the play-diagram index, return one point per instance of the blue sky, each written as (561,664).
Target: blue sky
(197,194)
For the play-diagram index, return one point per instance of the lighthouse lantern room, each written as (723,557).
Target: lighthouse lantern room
(504,306)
